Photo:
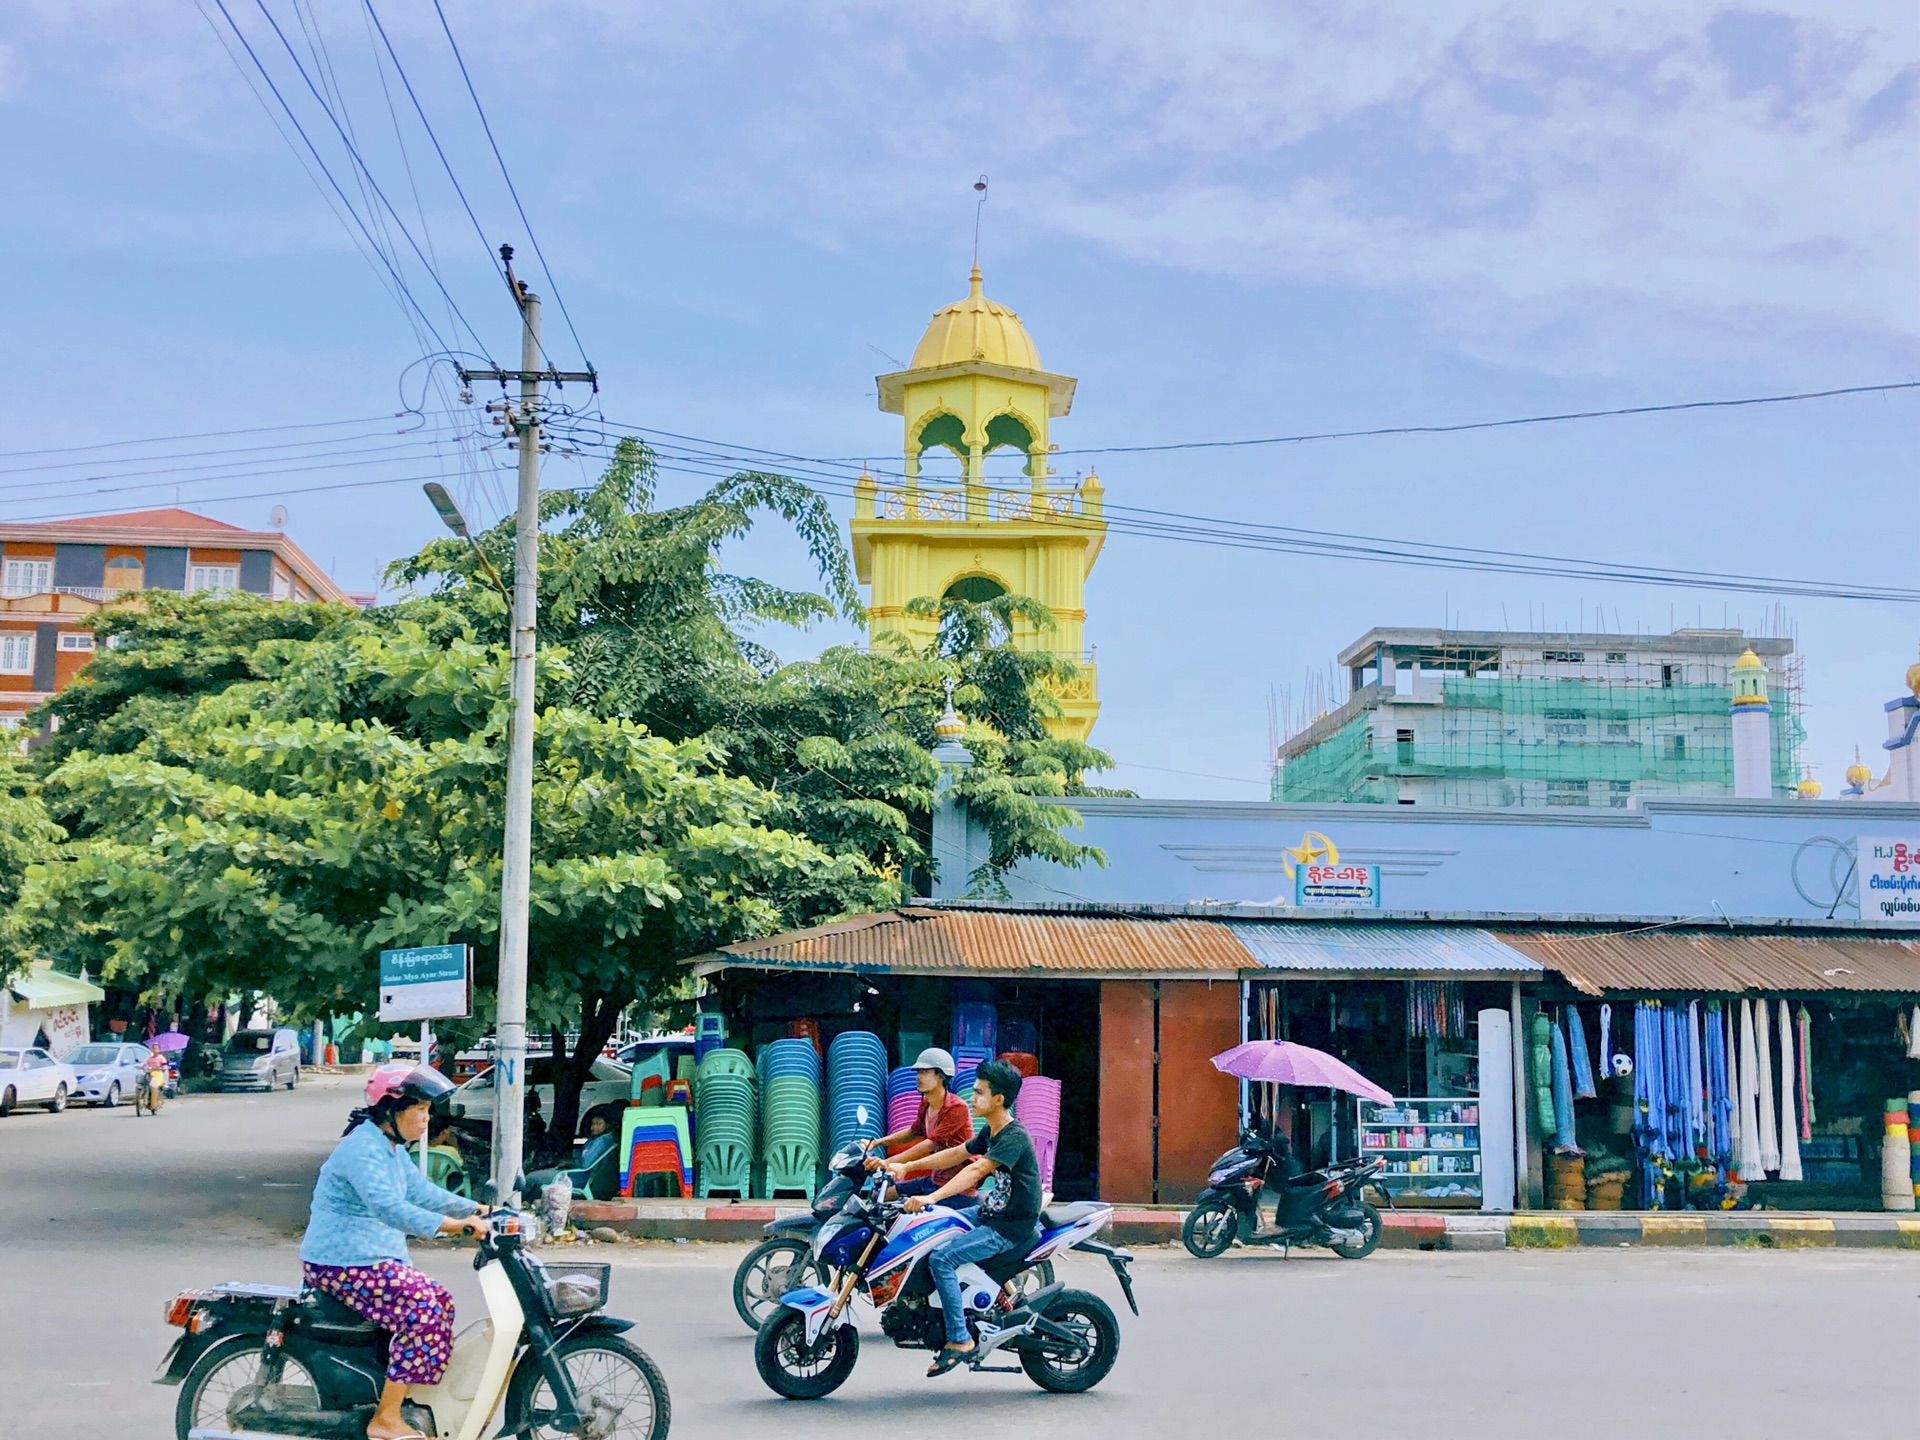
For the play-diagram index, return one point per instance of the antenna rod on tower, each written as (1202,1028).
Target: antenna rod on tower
(978,205)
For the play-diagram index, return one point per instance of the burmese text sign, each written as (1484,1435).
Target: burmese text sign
(426,982)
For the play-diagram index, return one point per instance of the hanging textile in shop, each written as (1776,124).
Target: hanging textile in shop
(1583,1087)
(1696,1082)
(1750,1166)
(1769,1118)
(1606,1039)
(1540,1062)
(1789,1127)
(1437,1008)
(1806,1074)
(1732,1041)
(1719,1094)
(1913,1035)
(1563,1136)
(1649,1081)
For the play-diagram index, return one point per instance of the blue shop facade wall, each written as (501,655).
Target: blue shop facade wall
(1733,858)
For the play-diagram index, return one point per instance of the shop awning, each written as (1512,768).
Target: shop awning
(1722,960)
(1327,951)
(44,988)
(926,941)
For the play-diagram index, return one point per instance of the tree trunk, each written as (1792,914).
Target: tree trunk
(599,1013)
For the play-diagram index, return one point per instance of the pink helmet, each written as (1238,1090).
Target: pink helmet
(404,1084)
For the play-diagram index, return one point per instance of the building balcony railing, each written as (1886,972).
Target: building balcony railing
(957,503)
(85,592)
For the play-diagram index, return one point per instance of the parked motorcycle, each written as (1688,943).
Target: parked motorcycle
(1066,1340)
(1321,1207)
(785,1260)
(255,1362)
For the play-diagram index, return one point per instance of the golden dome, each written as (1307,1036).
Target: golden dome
(1858,775)
(1748,661)
(1913,678)
(975,329)
(1808,789)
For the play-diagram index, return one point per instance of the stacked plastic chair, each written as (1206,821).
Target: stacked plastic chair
(725,1119)
(966,1064)
(790,1116)
(903,1099)
(973,1027)
(1018,1034)
(856,1080)
(1038,1108)
(656,1140)
(709,1034)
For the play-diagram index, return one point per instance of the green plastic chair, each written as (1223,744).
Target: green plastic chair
(447,1171)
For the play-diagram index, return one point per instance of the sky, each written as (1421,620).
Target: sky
(1243,221)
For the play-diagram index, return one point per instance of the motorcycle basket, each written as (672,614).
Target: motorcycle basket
(572,1287)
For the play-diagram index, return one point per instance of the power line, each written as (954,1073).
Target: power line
(243,495)
(1456,429)
(204,435)
(354,154)
(553,285)
(104,461)
(387,457)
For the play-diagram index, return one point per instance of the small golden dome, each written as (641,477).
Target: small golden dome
(975,328)
(1808,789)
(1749,661)
(950,726)
(1858,775)
(1913,678)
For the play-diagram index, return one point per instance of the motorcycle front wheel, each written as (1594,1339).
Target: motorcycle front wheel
(1209,1229)
(1364,1218)
(1052,1365)
(770,1270)
(227,1367)
(796,1370)
(622,1394)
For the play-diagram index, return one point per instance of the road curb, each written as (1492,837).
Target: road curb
(1401,1229)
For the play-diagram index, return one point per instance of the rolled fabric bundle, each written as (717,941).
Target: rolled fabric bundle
(1541,1064)
(1583,1086)
(1913,1124)
(1562,1093)
(1896,1159)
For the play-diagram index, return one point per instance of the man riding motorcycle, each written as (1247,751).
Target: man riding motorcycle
(1009,1211)
(369,1198)
(943,1122)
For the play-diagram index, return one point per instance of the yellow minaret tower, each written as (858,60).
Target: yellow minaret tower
(976,386)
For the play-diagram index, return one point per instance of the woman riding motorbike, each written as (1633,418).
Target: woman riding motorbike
(369,1198)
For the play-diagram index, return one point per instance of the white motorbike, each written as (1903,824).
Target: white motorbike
(1065,1340)
(271,1362)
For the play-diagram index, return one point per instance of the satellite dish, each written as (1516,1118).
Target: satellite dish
(278,519)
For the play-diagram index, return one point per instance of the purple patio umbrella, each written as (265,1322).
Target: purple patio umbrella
(168,1041)
(1286,1063)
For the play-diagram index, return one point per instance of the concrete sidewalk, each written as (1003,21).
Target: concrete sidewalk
(1405,1230)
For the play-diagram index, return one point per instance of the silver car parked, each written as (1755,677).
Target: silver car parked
(262,1058)
(105,1073)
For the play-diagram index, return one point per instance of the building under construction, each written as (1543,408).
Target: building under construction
(1523,720)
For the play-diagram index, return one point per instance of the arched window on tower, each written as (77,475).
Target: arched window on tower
(975,589)
(1010,432)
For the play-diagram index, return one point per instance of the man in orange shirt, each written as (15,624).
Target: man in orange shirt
(943,1121)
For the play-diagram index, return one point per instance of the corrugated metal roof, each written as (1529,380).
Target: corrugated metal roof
(1722,960)
(984,942)
(1381,949)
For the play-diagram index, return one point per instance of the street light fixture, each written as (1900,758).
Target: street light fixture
(456,522)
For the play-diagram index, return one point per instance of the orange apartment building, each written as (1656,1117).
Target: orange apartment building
(54,574)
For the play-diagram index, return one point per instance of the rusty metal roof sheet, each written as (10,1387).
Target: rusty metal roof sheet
(927,941)
(1381,949)
(1722,960)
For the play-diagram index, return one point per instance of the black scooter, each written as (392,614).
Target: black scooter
(1321,1207)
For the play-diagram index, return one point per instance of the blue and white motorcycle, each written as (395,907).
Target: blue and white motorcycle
(1066,1340)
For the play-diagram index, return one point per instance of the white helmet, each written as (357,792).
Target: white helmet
(934,1058)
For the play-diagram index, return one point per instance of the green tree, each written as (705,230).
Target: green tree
(258,840)
(27,838)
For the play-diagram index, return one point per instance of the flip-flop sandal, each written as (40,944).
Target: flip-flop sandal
(950,1359)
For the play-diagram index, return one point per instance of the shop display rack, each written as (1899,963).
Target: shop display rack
(1432,1148)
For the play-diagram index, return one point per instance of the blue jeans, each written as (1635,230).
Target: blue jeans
(976,1246)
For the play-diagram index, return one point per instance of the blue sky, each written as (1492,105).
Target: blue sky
(1252,221)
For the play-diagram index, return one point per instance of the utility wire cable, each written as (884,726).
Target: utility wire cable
(553,285)
(354,154)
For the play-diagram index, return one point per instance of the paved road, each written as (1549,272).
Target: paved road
(104,1216)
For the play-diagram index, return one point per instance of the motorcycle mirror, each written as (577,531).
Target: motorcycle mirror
(488,1194)
(860,1113)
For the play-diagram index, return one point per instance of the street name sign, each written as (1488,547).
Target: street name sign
(426,982)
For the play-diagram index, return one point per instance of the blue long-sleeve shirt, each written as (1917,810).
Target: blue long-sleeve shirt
(370,1197)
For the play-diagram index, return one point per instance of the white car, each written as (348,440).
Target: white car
(610,1084)
(106,1072)
(33,1077)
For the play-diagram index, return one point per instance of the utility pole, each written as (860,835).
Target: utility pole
(510,987)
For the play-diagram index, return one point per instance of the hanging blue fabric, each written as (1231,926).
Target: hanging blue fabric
(1673,1028)
(1719,1091)
(1582,1064)
(1562,1094)
(1643,1107)
(1696,1081)
(1606,1039)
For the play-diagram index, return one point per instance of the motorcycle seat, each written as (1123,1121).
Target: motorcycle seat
(1311,1180)
(1056,1217)
(336,1321)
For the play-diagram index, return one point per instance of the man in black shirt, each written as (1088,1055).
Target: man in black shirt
(1009,1207)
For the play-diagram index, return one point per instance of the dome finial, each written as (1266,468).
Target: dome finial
(950,726)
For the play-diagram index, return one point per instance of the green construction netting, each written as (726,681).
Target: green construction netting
(1527,741)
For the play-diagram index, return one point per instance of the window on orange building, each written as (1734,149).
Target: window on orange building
(16,652)
(29,577)
(76,640)
(125,572)
(214,577)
